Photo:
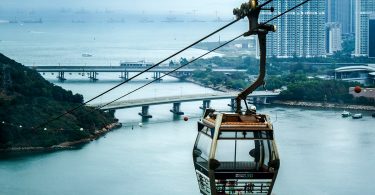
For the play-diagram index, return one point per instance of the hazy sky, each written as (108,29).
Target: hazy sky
(223,7)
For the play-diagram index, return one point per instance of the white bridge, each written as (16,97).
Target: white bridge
(257,96)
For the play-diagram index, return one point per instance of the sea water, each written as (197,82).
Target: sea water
(321,152)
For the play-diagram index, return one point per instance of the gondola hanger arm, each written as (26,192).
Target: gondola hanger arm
(252,10)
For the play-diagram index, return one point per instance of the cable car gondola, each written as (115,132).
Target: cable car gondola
(235,153)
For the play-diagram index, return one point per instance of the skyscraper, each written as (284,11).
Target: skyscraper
(364,9)
(341,11)
(371,42)
(300,32)
(333,37)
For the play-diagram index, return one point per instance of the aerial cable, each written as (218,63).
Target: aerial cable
(172,71)
(168,73)
(164,60)
(289,10)
(146,70)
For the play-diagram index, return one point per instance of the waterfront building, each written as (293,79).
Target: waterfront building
(364,10)
(300,33)
(333,37)
(364,74)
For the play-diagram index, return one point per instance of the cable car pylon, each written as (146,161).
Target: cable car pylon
(235,153)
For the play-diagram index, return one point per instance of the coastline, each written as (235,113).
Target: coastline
(218,88)
(296,103)
(68,144)
(324,105)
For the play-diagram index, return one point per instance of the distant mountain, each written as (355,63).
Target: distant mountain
(28,100)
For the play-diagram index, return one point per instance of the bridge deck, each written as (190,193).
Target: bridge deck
(120,69)
(176,99)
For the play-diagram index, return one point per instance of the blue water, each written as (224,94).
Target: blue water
(109,43)
(321,153)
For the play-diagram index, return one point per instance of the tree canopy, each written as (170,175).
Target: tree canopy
(28,100)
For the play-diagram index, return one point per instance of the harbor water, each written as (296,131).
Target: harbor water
(321,152)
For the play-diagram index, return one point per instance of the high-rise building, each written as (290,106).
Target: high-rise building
(352,16)
(300,32)
(333,37)
(341,11)
(371,38)
(364,9)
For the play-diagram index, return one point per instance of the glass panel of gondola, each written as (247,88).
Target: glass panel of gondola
(243,158)
(201,153)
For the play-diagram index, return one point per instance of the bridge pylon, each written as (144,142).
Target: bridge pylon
(61,76)
(176,109)
(232,104)
(124,75)
(205,105)
(145,113)
(92,76)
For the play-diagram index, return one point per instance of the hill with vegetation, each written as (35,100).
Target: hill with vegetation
(27,100)
(299,87)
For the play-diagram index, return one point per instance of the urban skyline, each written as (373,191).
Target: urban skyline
(316,29)
(300,33)
(364,10)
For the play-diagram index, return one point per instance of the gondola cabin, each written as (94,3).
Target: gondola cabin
(235,154)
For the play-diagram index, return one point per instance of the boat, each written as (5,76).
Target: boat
(78,21)
(172,19)
(345,114)
(33,21)
(4,21)
(357,116)
(146,20)
(86,55)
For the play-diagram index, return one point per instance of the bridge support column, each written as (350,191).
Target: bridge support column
(156,75)
(92,76)
(176,109)
(205,105)
(263,100)
(252,100)
(124,75)
(258,100)
(61,76)
(232,104)
(145,113)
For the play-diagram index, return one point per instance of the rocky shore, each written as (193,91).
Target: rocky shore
(324,105)
(69,144)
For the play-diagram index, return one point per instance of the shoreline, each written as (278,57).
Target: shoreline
(324,105)
(66,145)
(296,103)
(218,88)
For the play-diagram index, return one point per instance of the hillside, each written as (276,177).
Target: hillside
(28,100)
